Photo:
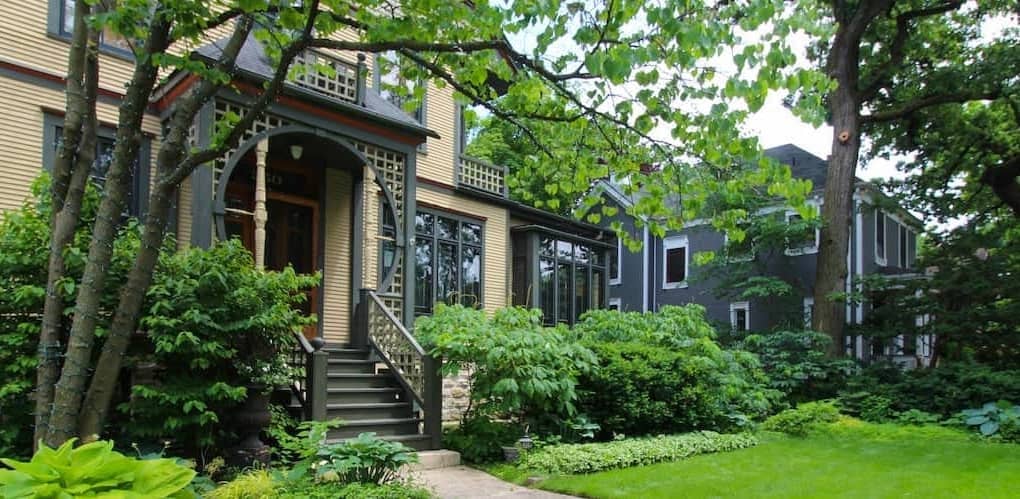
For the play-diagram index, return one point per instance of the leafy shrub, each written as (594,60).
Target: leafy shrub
(674,327)
(995,418)
(480,440)
(93,469)
(594,457)
(216,325)
(518,367)
(849,427)
(944,390)
(796,363)
(802,419)
(917,418)
(24,260)
(641,389)
(365,459)
(319,490)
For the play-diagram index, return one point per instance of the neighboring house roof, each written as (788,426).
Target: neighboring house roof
(253,63)
(803,165)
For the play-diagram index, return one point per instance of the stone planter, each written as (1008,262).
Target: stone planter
(511,453)
(252,417)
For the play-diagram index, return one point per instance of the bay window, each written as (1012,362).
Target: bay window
(448,261)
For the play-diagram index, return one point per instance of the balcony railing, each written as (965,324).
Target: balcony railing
(482,175)
(331,76)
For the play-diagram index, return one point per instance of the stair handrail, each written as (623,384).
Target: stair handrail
(309,362)
(397,348)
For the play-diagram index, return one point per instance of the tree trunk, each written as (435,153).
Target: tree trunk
(66,189)
(97,401)
(844,105)
(67,397)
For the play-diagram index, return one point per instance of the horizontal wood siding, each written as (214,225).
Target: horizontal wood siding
(336,276)
(436,161)
(21,135)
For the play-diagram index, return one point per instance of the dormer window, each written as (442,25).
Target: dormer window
(394,86)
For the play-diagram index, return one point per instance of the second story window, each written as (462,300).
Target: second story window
(448,261)
(880,237)
(906,243)
(395,87)
(674,265)
(65,27)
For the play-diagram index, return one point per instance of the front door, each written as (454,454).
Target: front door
(292,229)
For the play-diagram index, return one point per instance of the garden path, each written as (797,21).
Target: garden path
(462,482)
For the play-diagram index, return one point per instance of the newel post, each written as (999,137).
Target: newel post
(317,377)
(433,398)
(359,334)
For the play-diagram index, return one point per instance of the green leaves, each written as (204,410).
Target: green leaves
(992,416)
(93,469)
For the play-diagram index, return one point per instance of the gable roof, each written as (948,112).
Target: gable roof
(803,164)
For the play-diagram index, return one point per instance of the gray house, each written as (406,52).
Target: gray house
(883,240)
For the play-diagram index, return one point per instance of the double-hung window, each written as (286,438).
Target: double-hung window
(62,24)
(448,261)
(395,87)
(880,237)
(906,242)
(137,193)
(803,240)
(675,263)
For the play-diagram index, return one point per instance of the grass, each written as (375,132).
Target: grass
(846,460)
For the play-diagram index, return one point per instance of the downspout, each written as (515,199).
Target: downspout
(644,275)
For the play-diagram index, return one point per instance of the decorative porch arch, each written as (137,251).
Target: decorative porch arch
(219,201)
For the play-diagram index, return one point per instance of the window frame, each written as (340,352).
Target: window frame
(676,242)
(749,257)
(616,280)
(421,113)
(809,310)
(614,302)
(139,179)
(804,250)
(435,240)
(746,308)
(55,29)
(903,253)
(882,259)
(592,266)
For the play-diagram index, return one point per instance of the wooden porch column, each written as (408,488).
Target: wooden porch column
(261,215)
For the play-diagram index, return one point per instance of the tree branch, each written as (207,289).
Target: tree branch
(929,101)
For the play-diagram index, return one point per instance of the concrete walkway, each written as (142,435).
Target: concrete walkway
(461,482)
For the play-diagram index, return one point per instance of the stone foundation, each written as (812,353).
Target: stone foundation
(456,393)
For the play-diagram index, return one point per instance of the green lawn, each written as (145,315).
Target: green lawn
(818,466)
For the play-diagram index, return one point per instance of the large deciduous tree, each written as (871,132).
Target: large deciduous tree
(566,68)
(893,62)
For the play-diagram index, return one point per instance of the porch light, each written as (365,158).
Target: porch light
(296,150)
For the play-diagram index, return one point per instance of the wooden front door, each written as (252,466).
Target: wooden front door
(292,230)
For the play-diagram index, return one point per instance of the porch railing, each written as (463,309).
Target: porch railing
(308,385)
(417,372)
(331,76)
(482,175)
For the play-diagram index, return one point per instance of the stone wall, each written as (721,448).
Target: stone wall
(456,392)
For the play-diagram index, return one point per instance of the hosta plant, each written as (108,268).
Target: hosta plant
(365,459)
(993,418)
(93,470)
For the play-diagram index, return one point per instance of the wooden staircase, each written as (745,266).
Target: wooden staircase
(368,397)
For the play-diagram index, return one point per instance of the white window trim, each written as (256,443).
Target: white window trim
(618,278)
(617,302)
(907,232)
(809,305)
(881,259)
(806,250)
(746,307)
(673,242)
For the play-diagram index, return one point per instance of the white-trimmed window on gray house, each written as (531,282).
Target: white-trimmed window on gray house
(60,23)
(809,310)
(802,246)
(676,250)
(615,304)
(880,242)
(740,316)
(616,264)
(138,189)
(906,258)
(742,251)
(448,260)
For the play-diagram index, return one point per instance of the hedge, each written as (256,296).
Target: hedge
(594,457)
